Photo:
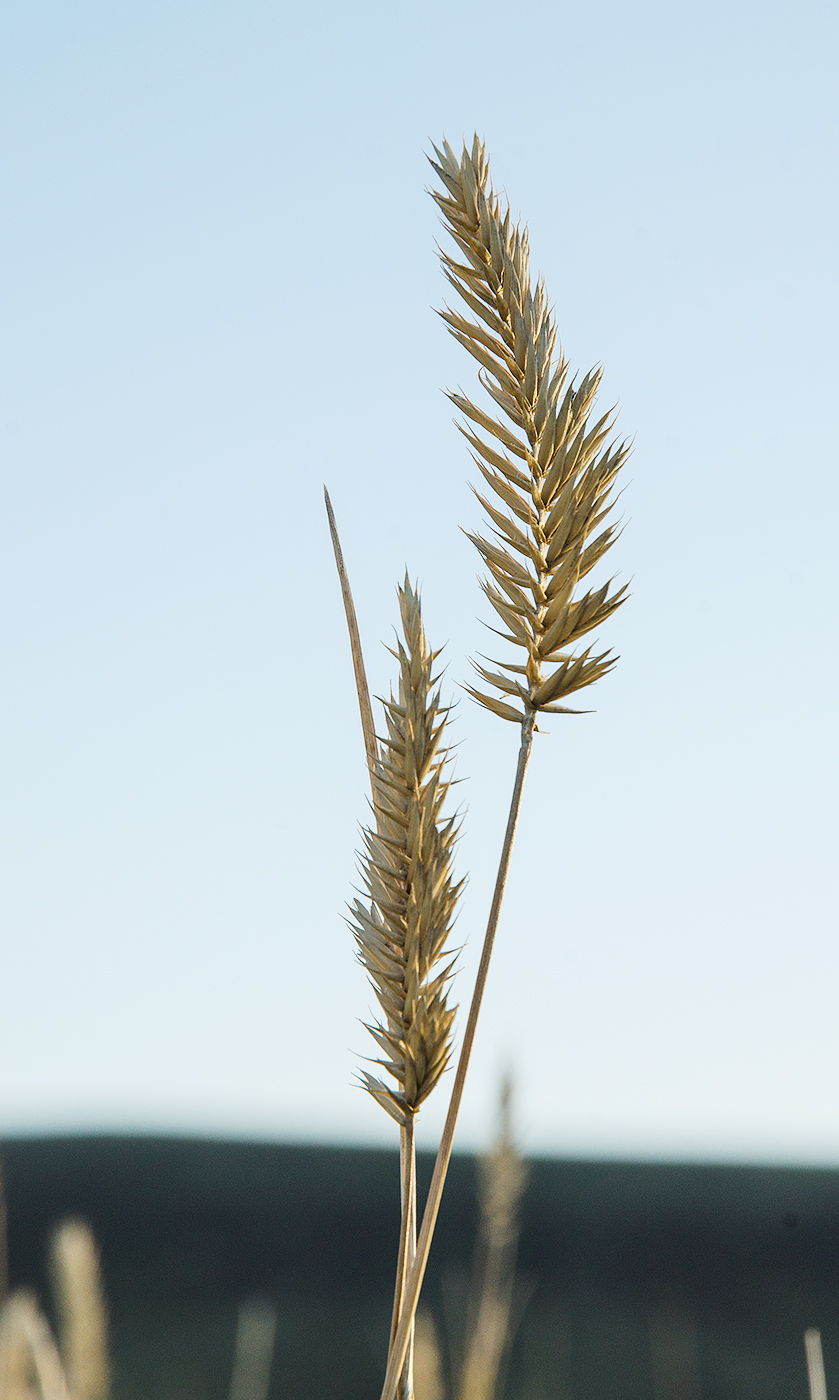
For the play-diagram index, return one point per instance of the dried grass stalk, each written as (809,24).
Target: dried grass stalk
(402,927)
(362,688)
(815,1364)
(551,471)
(17,1373)
(428,1367)
(503,1176)
(256,1332)
(30,1364)
(80,1302)
(407,1152)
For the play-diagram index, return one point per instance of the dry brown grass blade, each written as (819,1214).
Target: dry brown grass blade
(362,688)
(80,1303)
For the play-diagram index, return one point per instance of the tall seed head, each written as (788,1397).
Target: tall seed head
(402,926)
(551,471)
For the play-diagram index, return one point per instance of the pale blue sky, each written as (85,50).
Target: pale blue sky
(218,274)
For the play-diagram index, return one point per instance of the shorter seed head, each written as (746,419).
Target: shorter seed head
(402,925)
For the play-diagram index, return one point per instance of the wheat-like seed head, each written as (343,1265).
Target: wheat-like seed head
(503,1175)
(401,932)
(551,471)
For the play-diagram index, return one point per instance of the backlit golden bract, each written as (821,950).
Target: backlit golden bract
(551,471)
(401,932)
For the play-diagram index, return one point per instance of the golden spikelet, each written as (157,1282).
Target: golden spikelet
(551,471)
(401,932)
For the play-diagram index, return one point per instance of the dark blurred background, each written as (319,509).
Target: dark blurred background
(674,1282)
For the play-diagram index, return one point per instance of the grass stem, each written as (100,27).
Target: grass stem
(815,1364)
(407,1249)
(399,1347)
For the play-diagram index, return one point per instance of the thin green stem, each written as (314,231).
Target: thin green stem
(404,1331)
